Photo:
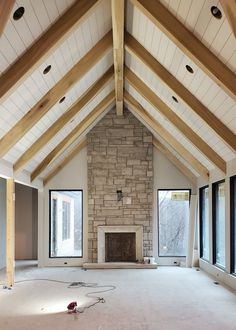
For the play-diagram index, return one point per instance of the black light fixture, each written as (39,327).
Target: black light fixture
(189,68)
(216,12)
(18,13)
(62,99)
(119,195)
(47,69)
(175,99)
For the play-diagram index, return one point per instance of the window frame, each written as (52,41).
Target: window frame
(82,225)
(232,225)
(201,189)
(214,206)
(158,220)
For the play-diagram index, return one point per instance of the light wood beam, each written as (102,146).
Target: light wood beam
(176,145)
(78,106)
(229,7)
(65,161)
(5,11)
(175,161)
(59,90)
(74,134)
(162,108)
(189,44)
(44,46)
(117,11)
(10,233)
(136,49)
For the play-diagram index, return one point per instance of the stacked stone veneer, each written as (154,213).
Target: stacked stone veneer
(120,157)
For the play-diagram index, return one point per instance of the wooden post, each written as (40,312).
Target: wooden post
(10,231)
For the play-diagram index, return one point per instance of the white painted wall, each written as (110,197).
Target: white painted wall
(2,223)
(72,176)
(166,176)
(215,176)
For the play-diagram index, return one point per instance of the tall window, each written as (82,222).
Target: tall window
(66,223)
(218,212)
(204,222)
(173,219)
(233,223)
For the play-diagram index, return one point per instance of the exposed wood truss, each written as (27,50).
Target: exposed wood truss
(87,97)
(10,232)
(117,10)
(189,44)
(65,161)
(177,146)
(75,133)
(5,11)
(175,161)
(161,107)
(42,48)
(49,100)
(136,49)
(229,7)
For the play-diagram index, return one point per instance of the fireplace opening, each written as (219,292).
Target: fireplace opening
(120,247)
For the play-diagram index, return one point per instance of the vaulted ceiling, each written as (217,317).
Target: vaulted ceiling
(65,63)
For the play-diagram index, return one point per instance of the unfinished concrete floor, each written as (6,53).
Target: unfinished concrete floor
(165,298)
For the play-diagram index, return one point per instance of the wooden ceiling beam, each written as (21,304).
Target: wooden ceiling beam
(229,7)
(55,94)
(161,131)
(65,161)
(189,44)
(74,134)
(117,10)
(136,49)
(162,108)
(175,161)
(5,11)
(87,97)
(44,46)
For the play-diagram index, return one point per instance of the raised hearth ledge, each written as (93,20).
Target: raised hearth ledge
(138,230)
(118,265)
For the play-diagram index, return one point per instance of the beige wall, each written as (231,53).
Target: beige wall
(26,222)
(2,223)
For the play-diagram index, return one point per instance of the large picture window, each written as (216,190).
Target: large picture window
(233,223)
(204,222)
(66,223)
(218,212)
(173,206)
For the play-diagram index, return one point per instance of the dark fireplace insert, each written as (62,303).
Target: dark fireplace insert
(120,247)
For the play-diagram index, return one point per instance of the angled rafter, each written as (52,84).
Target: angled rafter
(136,49)
(5,11)
(174,160)
(87,97)
(117,10)
(74,134)
(177,146)
(161,107)
(229,7)
(49,100)
(65,161)
(42,48)
(189,44)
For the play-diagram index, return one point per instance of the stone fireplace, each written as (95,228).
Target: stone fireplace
(120,184)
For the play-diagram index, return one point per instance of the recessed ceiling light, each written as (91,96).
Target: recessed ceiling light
(175,99)
(216,12)
(47,69)
(189,68)
(18,13)
(62,99)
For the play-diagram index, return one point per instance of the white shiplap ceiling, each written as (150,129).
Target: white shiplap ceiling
(39,16)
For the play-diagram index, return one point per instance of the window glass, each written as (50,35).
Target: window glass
(66,223)
(173,220)
(233,223)
(204,222)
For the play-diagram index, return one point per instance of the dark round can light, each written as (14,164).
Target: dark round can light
(216,12)
(189,68)
(175,99)
(62,99)
(47,69)
(18,13)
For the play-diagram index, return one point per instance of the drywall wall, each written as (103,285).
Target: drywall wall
(2,223)
(72,176)
(26,222)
